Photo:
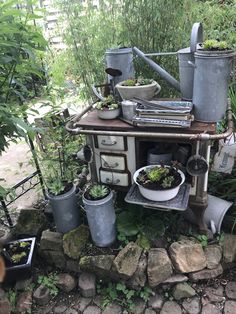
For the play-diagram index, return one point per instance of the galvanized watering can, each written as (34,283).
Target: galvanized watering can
(119,65)
(186,57)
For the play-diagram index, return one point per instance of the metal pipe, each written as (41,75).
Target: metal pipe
(163,73)
(72,127)
(153,54)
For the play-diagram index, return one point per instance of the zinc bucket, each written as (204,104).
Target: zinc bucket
(65,210)
(211,79)
(120,59)
(101,219)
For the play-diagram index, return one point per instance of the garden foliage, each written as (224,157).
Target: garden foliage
(21,45)
(152,26)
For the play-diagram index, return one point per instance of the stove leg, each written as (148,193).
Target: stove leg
(199,211)
(199,202)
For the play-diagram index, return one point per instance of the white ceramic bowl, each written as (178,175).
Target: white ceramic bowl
(108,114)
(144,92)
(157,195)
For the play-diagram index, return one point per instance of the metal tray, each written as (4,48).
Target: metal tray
(170,107)
(180,202)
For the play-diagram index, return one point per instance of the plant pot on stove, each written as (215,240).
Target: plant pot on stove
(159,182)
(145,91)
(18,258)
(108,109)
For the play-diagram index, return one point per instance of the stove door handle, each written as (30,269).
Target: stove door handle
(109,181)
(107,165)
(110,143)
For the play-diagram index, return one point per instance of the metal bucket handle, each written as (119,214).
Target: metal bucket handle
(96,92)
(196,36)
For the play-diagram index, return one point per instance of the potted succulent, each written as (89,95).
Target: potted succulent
(99,207)
(108,108)
(213,61)
(139,88)
(60,170)
(18,257)
(159,182)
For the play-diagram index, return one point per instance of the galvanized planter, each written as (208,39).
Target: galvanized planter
(65,210)
(211,79)
(101,219)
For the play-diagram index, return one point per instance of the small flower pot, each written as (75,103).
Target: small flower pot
(146,92)
(22,269)
(158,195)
(108,114)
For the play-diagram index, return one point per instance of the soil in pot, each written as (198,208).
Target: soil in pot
(144,180)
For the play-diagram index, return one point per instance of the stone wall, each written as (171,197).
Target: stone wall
(184,260)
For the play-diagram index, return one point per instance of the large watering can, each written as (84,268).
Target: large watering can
(119,67)
(186,58)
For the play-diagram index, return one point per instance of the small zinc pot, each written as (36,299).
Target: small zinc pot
(128,109)
(65,210)
(101,219)
(157,195)
(146,92)
(20,271)
(108,114)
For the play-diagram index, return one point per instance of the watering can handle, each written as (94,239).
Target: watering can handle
(157,89)
(196,36)
(99,96)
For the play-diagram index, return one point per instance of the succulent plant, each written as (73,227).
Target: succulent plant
(212,44)
(137,82)
(107,104)
(156,173)
(129,82)
(167,182)
(98,191)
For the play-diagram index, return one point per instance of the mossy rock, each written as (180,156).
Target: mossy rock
(31,222)
(98,264)
(75,241)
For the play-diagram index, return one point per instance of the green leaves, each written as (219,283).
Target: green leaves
(120,293)
(49,282)
(127,223)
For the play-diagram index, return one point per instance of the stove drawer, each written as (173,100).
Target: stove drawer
(111,142)
(113,162)
(113,178)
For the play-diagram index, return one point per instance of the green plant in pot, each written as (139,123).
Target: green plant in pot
(159,182)
(108,108)
(60,171)
(212,67)
(215,45)
(99,206)
(139,88)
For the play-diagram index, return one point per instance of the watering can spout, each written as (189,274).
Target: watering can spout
(163,73)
